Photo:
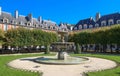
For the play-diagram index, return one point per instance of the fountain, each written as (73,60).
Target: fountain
(62,46)
(62,57)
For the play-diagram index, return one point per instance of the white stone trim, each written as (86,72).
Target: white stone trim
(90,26)
(118,21)
(103,23)
(75,28)
(5,20)
(96,25)
(85,26)
(80,27)
(110,22)
(28,24)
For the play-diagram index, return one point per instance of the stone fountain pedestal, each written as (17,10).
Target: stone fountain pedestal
(62,55)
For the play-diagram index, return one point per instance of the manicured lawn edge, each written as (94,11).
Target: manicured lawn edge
(107,72)
(9,71)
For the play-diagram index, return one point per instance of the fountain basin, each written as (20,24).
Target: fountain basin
(68,61)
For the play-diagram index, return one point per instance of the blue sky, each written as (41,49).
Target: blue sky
(68,11)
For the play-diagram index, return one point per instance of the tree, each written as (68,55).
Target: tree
(2,37)
(78,50)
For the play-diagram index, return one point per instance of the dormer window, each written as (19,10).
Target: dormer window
(90,26)
(21,23)
(96,25)
(36,25)
(14,22)
(75,28)
(5,20)
(28,24)
(80,27)
(110,22)
(49,27)
(85,26)
(54,28)
(40,26)
(103,23)
(118,21)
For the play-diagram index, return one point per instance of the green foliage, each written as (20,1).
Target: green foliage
(110,72)
(7,71)
(2,37)
(78,50)
(17,37)
(106,35)
(26,37)
(47,49)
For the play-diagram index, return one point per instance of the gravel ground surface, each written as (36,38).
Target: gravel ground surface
(95,64)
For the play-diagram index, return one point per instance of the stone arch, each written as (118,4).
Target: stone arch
(103,23)
(90,26)
(85,26)
(118,21)
(110,22)
(80,27)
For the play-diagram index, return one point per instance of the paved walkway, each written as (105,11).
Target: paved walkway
(95,64)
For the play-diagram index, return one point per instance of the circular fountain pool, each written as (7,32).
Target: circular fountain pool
(68,61)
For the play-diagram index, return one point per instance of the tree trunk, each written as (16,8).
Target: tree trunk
(111,48)
(47,49)
(78,50)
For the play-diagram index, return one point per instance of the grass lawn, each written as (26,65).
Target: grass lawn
(7,71)
(110,72)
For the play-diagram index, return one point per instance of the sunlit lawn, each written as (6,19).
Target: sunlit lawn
(111,72)
(7,71)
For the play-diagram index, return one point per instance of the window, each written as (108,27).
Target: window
(54,28)
(110,22)
(49,27)
(80,27)
(85,26)
(14,22)
(90,26)
(118,21)
(103,23)
(21,23)
(36,25)
(5,20)
(28,24)
(96,25)
(75,28)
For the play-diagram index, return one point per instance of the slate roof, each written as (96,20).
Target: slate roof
(114,16)
(63,26)
(88,21)
(25,19)
(6,15)
(21,19)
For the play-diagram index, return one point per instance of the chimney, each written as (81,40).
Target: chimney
(0,10)
(30,17)
(40,19)
(97,16)
(91,18)
(16,14)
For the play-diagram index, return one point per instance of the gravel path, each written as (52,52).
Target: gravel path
(95,64)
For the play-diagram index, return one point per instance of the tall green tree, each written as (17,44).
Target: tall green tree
(2,37)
